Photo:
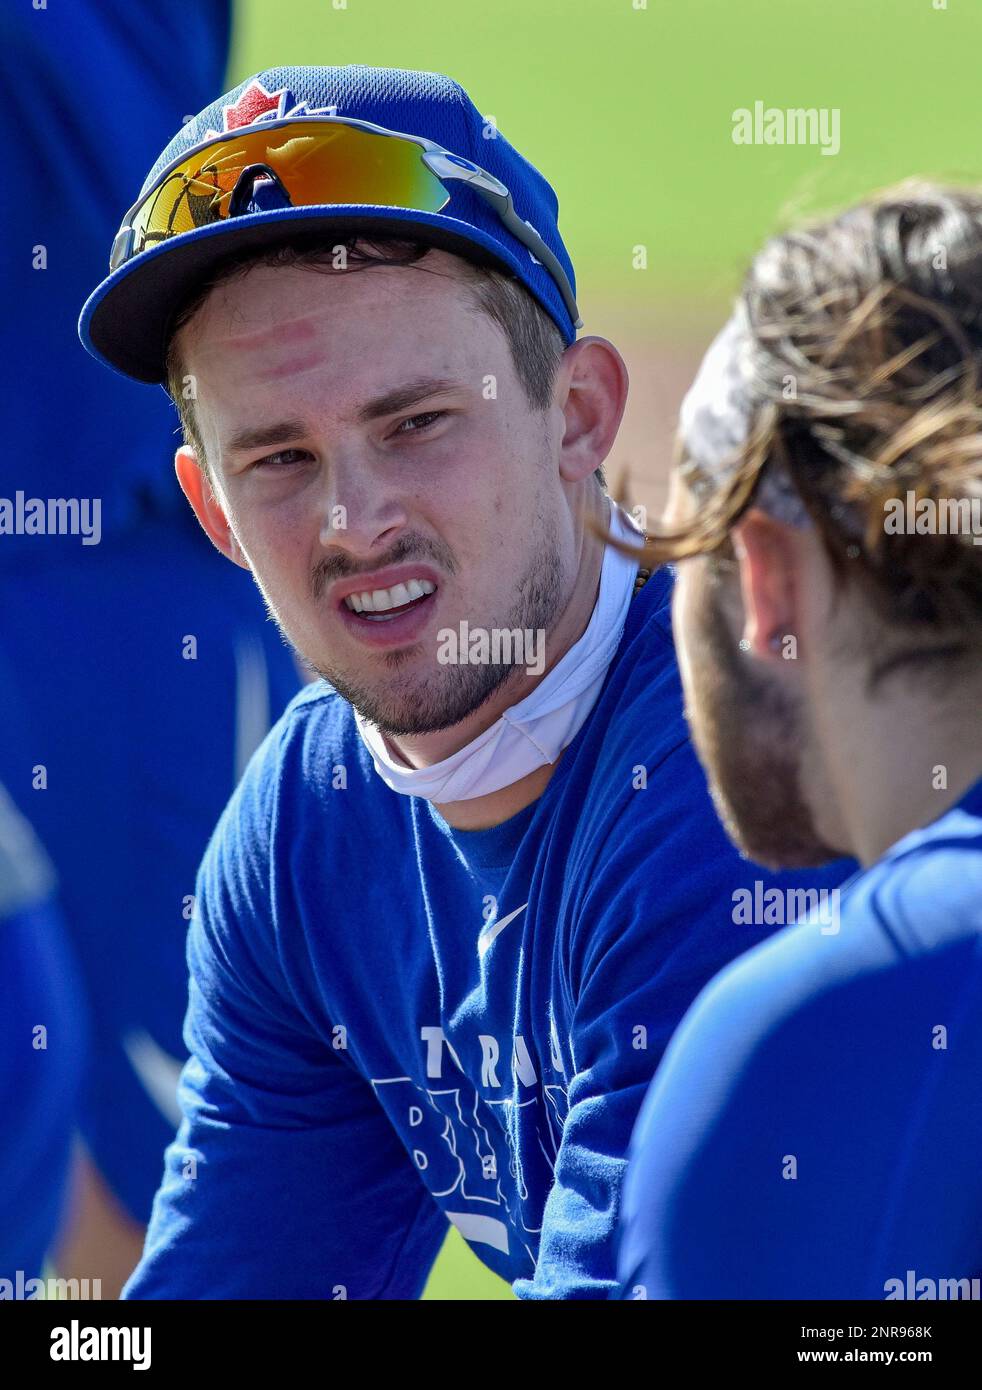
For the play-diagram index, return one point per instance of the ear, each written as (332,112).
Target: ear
(591,390)
(770,578)
(196,486)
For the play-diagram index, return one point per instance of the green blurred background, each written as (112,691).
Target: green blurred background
(627,107)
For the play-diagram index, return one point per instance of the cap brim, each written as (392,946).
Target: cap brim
(126,321)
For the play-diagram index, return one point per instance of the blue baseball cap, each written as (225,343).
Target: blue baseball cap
(126,321)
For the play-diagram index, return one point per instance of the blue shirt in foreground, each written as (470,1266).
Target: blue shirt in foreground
(394,1024)
(815,1128)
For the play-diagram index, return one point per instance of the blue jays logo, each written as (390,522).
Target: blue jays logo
(255,104)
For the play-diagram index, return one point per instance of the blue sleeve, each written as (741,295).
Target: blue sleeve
(803,1139)
(639,954)
(285,1179)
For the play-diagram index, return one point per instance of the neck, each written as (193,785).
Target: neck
(481,812)
(424,750)
(904,762)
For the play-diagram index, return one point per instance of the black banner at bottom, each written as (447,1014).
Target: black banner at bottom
(173,1338)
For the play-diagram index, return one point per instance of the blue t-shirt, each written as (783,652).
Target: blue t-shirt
(815,1130)
(394,1024)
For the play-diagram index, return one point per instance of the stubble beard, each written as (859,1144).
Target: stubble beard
(445,695)
(749,733)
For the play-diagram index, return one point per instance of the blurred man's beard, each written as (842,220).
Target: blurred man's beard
(748,733)
(445,695)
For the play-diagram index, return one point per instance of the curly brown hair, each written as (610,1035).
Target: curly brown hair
(875,318)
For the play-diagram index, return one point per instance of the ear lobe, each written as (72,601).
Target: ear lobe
(767,559)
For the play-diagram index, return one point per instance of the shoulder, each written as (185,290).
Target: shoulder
(289,772)
(780,1054)
(308,799)
(898,933)
(927,889)
(314,735)
(645,664)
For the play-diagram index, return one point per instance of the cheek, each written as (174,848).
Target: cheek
(278,551)
(275,520)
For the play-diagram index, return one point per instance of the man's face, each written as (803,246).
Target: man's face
(390,440)
(749,727)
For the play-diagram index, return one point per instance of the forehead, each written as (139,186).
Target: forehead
(277,324)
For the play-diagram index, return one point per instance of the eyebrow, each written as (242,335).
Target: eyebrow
(390,403)
(265,436)
(404,396)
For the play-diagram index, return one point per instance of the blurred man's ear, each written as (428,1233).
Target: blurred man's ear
(767,556)
(197,488)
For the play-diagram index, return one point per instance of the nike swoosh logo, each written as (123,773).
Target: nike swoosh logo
(158,1073)
(489,933)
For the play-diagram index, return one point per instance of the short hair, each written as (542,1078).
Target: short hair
(534,340)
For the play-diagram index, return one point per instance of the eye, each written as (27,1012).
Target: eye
(429,417)
(283,459)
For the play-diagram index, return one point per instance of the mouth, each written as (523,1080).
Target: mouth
(383,617)
(382,605)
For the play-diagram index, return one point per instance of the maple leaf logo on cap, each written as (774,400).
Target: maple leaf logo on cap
(254,103)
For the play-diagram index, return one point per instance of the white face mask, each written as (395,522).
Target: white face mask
(535,731)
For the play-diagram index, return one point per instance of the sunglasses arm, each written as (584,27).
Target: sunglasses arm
(530,237)
(451,166)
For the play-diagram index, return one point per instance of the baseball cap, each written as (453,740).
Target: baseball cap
(125,322)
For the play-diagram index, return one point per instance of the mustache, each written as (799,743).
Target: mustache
(334,567)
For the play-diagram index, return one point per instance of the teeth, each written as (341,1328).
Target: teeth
(399,594)
(379,600)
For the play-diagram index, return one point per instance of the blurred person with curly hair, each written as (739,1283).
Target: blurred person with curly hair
(814,1128)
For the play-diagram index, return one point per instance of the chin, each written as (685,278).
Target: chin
(788,841)
(751,753)
(406,704)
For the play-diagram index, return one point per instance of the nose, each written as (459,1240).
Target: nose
(363,511)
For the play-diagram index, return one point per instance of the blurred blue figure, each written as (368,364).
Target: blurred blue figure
(42,1044)
(139,668)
